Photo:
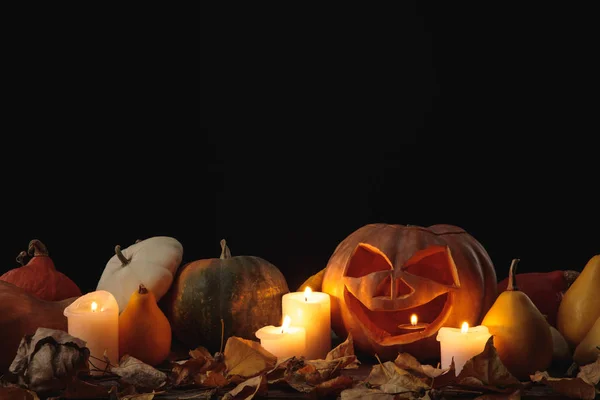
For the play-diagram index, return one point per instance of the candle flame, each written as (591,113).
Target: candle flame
(94,306)
(307,293)
(286,323)
(413,319)
(465,327)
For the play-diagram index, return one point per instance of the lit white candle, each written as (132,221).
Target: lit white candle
(461,343)
(311,311)
(283,341)
(94,318)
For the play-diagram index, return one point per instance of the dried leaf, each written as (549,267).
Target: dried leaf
(195,369)
(246,358)
(201,352)
(382,373)
(332,388)
(365,393)
(46,360)
(344,350)
(247,389)
(446,379)
(17,393)
(138,396)
(283,369)
(330,369)
(487,368)
(590,373)
(575,388)
(408,362)
(212,379)
(137,373)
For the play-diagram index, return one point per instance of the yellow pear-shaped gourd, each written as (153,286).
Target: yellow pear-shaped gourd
(580,306)
(588,350)
(144,331)
(522,335)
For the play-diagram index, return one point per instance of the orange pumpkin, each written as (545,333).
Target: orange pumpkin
(40,277)
(382,274)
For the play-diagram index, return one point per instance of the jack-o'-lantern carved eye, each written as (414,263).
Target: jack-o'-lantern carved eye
(367,259)
(434,263)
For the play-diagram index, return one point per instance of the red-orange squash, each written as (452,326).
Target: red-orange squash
(21,314)
(40,277)
(382,274)
(545,289)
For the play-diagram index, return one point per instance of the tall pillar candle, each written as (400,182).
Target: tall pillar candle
(94,318)
(311,311)
(461,344)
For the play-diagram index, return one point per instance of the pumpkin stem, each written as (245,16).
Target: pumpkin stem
(124,260)
(37,248)
(225,252)
(512,280)
(142,289)
(21,257)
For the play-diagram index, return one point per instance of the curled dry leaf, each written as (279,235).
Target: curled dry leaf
(332,388)
(194,371)
(284,369)
(246,358)
(486,369)
(17,393)
(575,388)
(247,389)
(390,379)
(137,373)
(408,362)
(344,351)
(46,360)
(590,373)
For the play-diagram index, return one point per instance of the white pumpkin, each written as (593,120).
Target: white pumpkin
(152,262)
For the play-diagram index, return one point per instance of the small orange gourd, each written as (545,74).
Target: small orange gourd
(144,331)
(39,276)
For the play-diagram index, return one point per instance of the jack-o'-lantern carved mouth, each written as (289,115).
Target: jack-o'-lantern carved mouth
(383,299)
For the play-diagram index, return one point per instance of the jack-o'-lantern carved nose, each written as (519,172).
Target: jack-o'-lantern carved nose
(393,288)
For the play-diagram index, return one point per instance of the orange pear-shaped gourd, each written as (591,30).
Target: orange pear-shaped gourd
(521,333)
(144,330)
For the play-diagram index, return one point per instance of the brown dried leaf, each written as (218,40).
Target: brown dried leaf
(382,373)
(138,396)
(246,358)
(201,352)
(365,393)
(575,388)
(212,379)
(344,350)
(590,373)
(487,368)
(46,360)
(137,373)
(283,369)
(446,379)
(247,389)
(332,388)
(329,369)
(17,393)
(408,362)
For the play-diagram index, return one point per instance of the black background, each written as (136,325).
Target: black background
(284,136)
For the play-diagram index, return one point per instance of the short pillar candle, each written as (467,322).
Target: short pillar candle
(461,344)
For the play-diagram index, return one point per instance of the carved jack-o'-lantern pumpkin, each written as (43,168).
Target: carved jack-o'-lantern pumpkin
(382,274)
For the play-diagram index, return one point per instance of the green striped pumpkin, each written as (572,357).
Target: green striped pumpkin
(243,291)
